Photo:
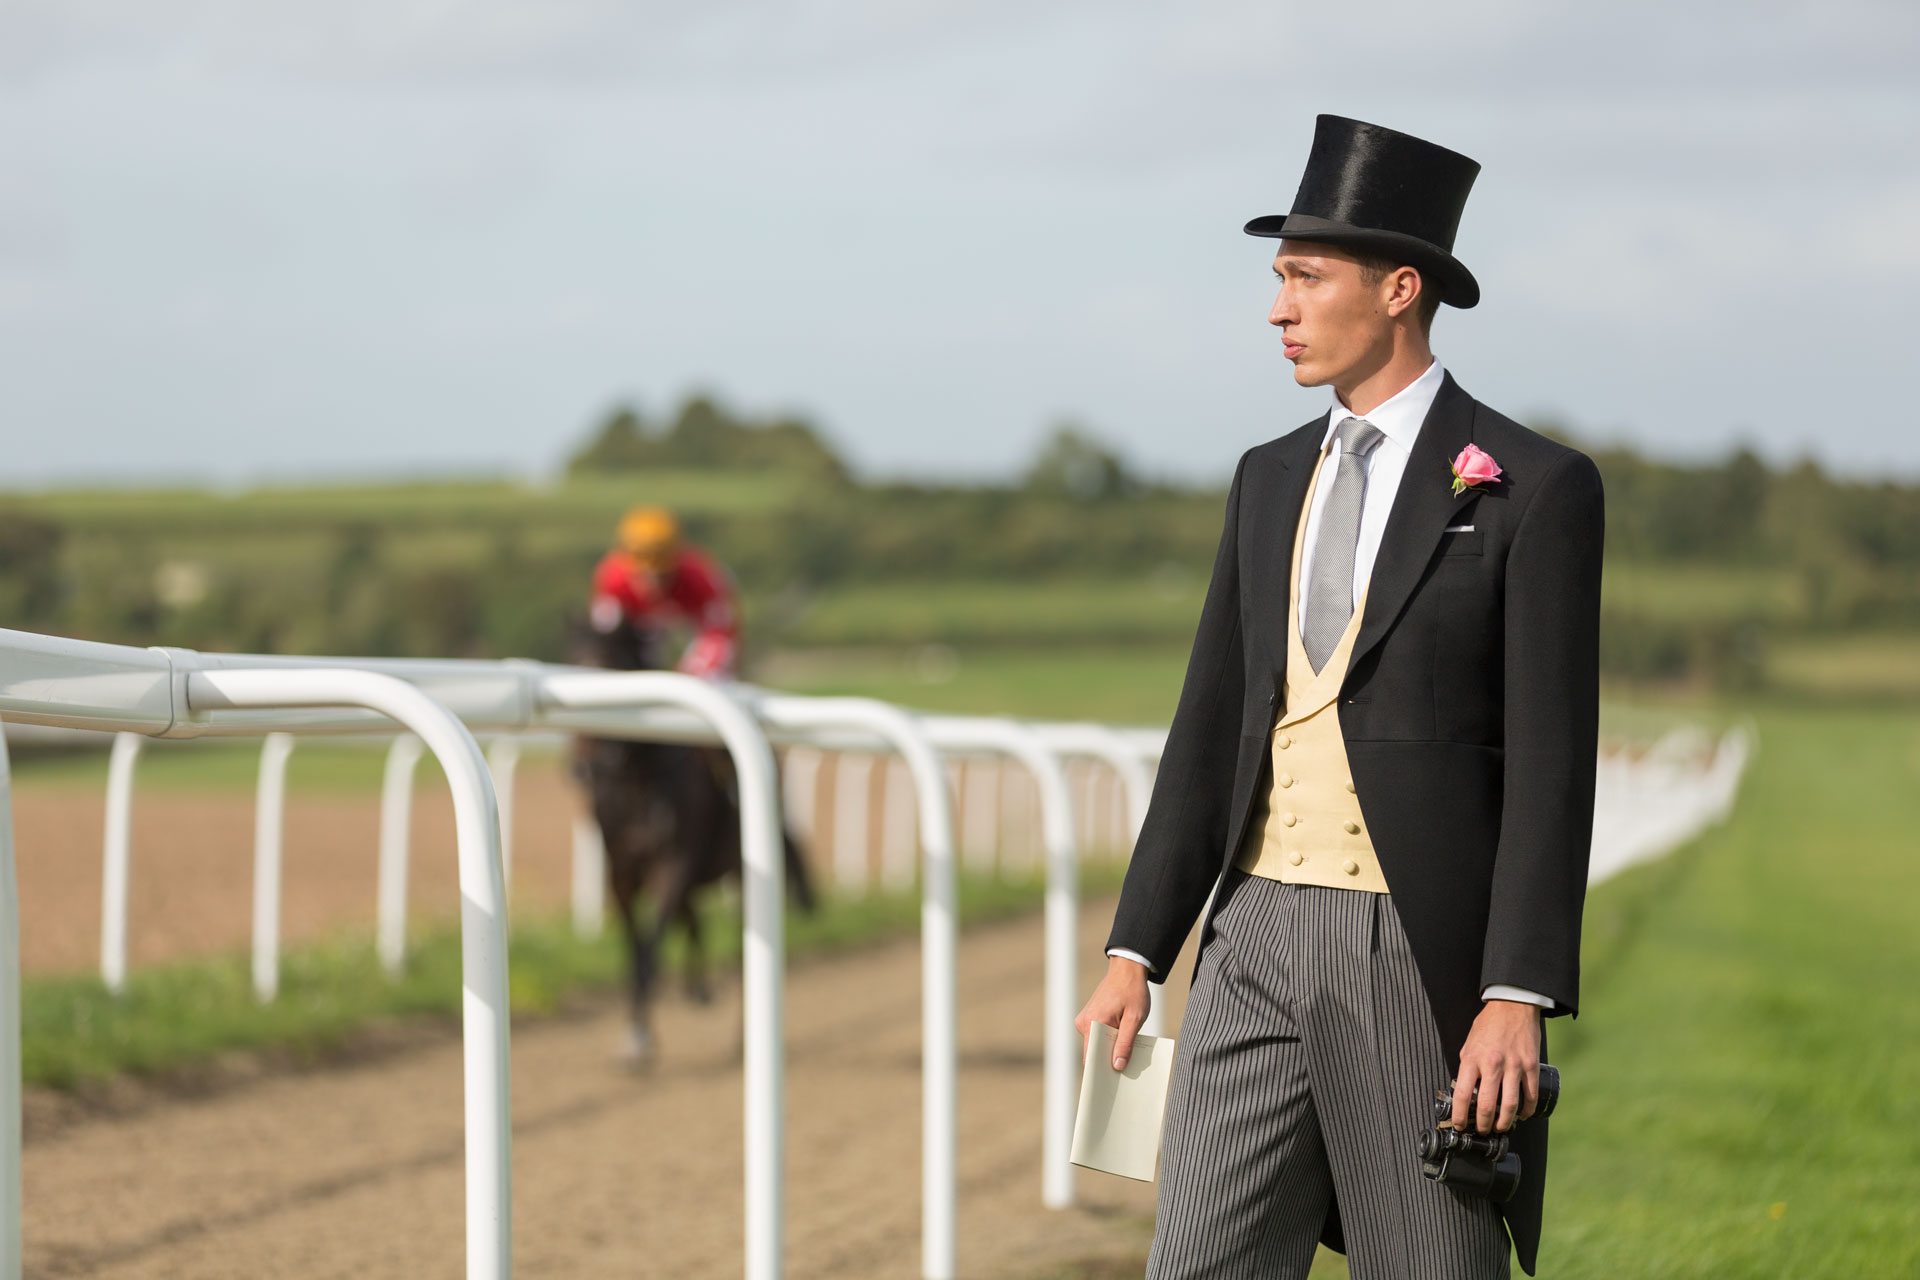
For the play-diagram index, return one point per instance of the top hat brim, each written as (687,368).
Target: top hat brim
(1457,286)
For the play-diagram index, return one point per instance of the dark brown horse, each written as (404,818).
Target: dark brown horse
(669,816)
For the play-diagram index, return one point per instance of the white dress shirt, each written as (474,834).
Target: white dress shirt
(1398,417)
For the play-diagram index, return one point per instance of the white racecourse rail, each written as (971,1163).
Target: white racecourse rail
(48,680)
(180,693)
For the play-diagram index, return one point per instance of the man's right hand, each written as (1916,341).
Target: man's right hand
(1120,1001)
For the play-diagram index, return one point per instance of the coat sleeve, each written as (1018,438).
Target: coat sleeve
(1552,728)
(1181,844)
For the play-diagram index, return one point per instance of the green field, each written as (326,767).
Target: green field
(1683,592)
(1875,666)
(1116,611)
(479,504)
(1741,1090)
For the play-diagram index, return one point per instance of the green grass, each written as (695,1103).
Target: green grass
(181,1015)
(1680,591)
(220,764)
(456,503)
(1120,685)
(1154,608)
(1873,664)
(1741,1085)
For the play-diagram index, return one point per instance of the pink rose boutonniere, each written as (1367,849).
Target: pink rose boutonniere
(1473,466)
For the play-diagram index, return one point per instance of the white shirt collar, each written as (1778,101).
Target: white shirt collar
(1398,416)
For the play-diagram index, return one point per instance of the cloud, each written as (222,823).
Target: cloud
(427,229)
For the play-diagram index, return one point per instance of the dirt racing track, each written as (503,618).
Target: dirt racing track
(356,1170)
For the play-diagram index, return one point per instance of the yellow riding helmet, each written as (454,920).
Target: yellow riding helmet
(649,534)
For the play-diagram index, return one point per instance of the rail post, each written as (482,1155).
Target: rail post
(117,860)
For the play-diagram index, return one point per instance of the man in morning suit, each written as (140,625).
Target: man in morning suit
(1379,777)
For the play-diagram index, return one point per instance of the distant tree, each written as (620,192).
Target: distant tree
(794,443)
(30,582)
(620,443)
(1073,463)
(1740,501)
(704,434)
(439,611)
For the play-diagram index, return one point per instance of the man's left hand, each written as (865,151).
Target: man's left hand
(1502,1056)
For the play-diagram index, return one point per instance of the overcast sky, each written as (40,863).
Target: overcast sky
(243,241)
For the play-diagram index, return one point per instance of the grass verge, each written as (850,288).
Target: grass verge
(1740,1084)
(178,1016)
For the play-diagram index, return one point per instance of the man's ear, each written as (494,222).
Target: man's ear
(1408,276)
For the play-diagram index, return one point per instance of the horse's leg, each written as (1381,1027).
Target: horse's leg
(699,990)
(713,847)
(673,885)
(639,1046)
(799,878)
(624,875)
(684,854)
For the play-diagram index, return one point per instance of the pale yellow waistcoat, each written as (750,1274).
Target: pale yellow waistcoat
(1307,828)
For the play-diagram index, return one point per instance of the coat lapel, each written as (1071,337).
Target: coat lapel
(1276,522)
(1422,508)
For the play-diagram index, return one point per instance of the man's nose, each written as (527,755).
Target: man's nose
(1282,310)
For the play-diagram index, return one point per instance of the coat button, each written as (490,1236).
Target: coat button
(1286,779)
(1290,819)
(1352,827)
(1294,857)
(1351,867)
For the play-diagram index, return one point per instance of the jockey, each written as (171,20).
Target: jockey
(654,578)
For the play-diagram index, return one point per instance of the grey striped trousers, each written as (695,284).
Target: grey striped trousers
(1305,1063)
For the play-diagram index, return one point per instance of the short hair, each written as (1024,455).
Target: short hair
(1374,268)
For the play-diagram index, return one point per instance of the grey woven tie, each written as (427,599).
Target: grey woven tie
(1330,591)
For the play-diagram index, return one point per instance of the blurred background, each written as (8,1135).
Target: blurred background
(354,328)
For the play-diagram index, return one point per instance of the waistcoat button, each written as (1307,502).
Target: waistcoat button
(1294,857)
(1352,828)
(1350,784)
(1289,819)
(1286,779)
(1351,867)
(1286,742)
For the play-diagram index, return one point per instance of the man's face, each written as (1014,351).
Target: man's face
(1332,320)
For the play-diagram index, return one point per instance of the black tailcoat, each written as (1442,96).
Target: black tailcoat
(1470,712)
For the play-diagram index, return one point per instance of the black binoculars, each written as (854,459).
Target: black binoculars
(1483,1163)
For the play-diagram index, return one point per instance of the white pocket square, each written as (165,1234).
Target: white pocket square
(1458,528)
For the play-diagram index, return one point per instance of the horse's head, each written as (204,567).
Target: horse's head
(621,646)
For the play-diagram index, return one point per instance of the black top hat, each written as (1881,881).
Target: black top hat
(1372,188)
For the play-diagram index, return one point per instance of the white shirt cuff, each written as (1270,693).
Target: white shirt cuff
(1498,991)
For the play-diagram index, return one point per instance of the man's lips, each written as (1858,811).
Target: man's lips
(1294,348)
